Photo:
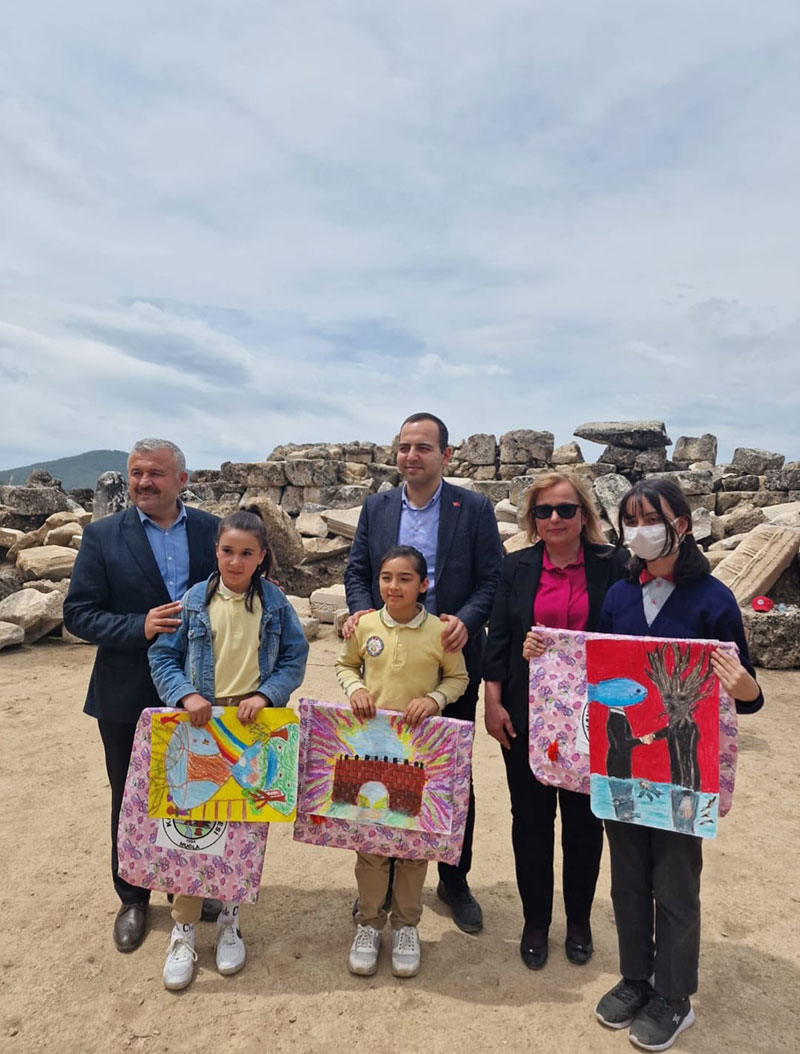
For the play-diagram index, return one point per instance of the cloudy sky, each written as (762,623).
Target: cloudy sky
(243,223)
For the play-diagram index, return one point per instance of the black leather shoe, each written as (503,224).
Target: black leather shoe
(579,954)
(534,956)
(464,908)
(129,927)
(211,908)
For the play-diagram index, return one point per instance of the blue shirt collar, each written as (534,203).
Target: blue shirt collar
(144,518)
(429,504)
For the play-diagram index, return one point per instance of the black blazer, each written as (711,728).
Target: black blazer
(469,555)
(114,584)
(512,616)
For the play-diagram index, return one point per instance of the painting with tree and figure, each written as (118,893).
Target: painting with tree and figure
(225,770)
(381,786)
(654,745)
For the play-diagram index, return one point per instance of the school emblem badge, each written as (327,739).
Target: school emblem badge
(374,646)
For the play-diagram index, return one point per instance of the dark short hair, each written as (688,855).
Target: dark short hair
(692,562)
(444,436)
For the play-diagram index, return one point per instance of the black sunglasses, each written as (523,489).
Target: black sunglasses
(566,510)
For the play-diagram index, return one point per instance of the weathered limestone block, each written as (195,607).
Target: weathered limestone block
(588,473)
(48,561)
(787,515)
(10,581)
(380,473)
(37,537)
(342,522)
(494,489)
(727,544)
(567,454)
(763,498)
(715,557)
(787,589)
(510,472)
(478,449)
(10,536)
(517,541)
(311,525)
(344,496)
(28,507)
(205,475)
(37,613)
(524,446)
(619,456)
(696,448)
(339,618)
(725,500)
(786,479)
(310,627)
(691,482)
(323,548)
(301,605)
(507,530)
(384,455)
(46,585)
(350,471)
(10,634)
(653,460)
(751,461)
(609,491)
(265,474)
(730,482)
(638,434)
(386,485)
(483,472)
(701,501)
(110,495)
(284,540)
(506,512)
(84,496)
(255,494)
(358,450)
(758,561)
(465,484)
(773,637)
(292,499)
(303,450)
(701,524)
(743,518)
(62,535)
(40,477)
(303,580)
(519,486)
(327,601)
(303,472)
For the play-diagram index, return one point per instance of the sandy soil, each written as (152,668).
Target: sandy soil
(63,986)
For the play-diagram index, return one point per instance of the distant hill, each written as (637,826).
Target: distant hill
(81,470)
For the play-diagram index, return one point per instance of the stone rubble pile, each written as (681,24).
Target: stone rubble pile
(746,514)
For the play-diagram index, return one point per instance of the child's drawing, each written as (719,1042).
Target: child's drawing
(654,733)
(382,787)
(204,858)
(380,770)
(224,770)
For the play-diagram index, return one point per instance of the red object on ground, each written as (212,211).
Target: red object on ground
(762,604)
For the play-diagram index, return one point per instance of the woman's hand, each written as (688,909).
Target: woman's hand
(198,709)
(362,703)
(418,709)
(250,707)
(533,647)
(733,677)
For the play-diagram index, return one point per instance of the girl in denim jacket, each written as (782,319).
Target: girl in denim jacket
(239,644)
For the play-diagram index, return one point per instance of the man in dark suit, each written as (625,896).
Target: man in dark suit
(456,531)
(129,576)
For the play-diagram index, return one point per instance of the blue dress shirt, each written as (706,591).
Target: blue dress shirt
(420,528)
(171,550)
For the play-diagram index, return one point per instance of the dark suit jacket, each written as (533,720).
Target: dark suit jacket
(114,584)
(468,559)
(621,742)
(512,617)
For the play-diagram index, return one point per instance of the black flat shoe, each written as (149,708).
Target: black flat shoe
(579,954)
(533,957)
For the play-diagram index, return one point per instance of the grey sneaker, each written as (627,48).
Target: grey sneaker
(659,1024)
(620,1006)
(364,951)
(405,951)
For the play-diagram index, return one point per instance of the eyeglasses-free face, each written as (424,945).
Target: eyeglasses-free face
(566,510)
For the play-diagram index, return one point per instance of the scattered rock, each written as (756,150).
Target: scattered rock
(342,521)
(10,536)
(518,541)
(696,448)
(758,561)
(110,495)
(46,585)
(49,561)
(526,447)
(323,548)
(609,491)
(653,460)
(311,525)
(339,618)
(302,472)
(505,511)
(10,634)
(740,483)
(623,457)
(62,535)
(310,627)
(301,605)
(479,449)
(494,489)
(284,540)
(567,454)
(773,637)
(751,461)
(787,479)
(507,530)
(743,518)
(326,602)
(638,434)
(28,507)
(37,613)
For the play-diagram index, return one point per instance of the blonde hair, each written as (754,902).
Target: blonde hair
(591,530)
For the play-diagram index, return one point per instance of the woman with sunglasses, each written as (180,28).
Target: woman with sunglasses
(559,582)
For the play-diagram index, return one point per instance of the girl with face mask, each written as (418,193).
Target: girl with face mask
(655,874)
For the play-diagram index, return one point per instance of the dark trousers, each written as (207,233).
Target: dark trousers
(533,813)
(117,743)
(464,710)
(655,889)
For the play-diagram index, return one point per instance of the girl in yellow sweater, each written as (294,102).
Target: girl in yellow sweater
(395,660)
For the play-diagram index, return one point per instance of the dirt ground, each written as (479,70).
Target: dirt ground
(64,987)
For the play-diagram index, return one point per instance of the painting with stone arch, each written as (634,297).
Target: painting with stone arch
(654,744)
(380,786)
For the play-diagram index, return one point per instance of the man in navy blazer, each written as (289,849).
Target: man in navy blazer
(130,573)
(456,531)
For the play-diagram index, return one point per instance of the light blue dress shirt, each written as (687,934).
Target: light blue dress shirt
(171,550)
(420,528)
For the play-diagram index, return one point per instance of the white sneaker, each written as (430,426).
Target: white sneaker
(181,957)
(405,951)
(230,949)
(364,951)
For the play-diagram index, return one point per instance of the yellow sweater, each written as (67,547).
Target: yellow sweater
(234,633)
(397,662)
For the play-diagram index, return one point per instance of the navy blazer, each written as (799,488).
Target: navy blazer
(469,555)
(512,616)
(114,584)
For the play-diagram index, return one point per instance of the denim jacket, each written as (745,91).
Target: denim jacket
(183,662)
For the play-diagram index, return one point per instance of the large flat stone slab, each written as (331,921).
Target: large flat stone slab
(47,561)
(638,434)
(758,561)
(342,521)
(37,613)
(326,601)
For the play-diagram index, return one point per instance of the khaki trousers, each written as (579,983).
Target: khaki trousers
(372,875)
(186,909)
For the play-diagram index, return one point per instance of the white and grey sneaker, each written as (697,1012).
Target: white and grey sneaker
(364,950)
(405,951)
(181,957)
(229,949)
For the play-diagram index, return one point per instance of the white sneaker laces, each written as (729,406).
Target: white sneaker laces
(407,940)
(179,947)
(227,935)
(364,939)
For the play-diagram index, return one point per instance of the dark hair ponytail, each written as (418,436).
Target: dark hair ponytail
(247,519)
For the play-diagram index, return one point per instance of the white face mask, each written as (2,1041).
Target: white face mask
(648,543)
